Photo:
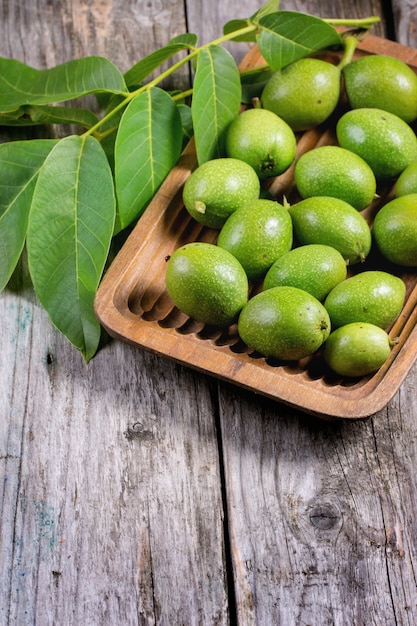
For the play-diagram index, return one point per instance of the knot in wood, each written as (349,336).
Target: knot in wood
(151,7)
(138,432)
(324,516)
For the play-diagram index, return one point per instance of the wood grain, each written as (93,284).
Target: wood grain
(336,544)
(111,503)
(112,492)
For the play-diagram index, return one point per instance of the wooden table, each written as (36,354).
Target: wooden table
(136,491)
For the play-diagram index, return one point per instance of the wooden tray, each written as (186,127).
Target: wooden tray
(132,303)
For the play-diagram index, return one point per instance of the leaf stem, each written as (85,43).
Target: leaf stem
(365,22)
(195,52)
(350,44)
(183,95)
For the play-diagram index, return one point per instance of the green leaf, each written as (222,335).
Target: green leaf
(253,81)
(21,84)
(216,100)
(34,115)
(287,36)
(113,121)
(141,70)
(69,234)
(148,145)
(235,26)
(20,162)
(271,6)
(186,120)
(188,40)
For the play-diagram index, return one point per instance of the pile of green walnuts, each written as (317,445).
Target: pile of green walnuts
(294,277)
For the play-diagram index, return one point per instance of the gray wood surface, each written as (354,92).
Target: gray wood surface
(135,491)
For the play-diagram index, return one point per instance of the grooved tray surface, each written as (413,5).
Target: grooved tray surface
(133,305)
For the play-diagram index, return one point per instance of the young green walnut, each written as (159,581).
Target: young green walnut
(382,139)
(304,93)
(257,234)
(333,222)
(263,140)
(357,349)
(383,82)
(217,188)
(395,230)
(316,268)
(372,296)
(207,283)
(336,172)
(284,322)
(407,181)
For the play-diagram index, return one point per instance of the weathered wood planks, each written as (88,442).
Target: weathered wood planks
(116,476)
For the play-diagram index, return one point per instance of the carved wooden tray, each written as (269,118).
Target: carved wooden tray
(132,303)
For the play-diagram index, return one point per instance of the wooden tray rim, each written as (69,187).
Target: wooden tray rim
(113,312)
